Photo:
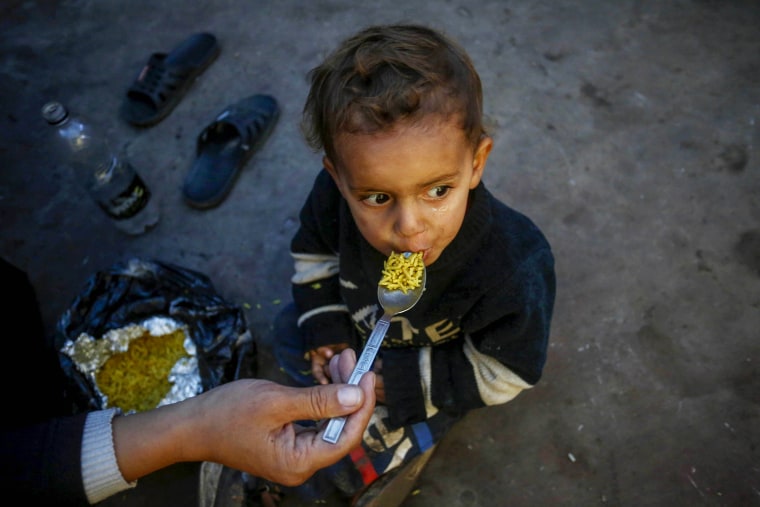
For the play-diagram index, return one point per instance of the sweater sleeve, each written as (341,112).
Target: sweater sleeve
(323,316)
(100,470)
(499,358)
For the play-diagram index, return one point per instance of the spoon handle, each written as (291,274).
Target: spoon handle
(363,365)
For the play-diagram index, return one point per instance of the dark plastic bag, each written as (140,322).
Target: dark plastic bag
(136,290)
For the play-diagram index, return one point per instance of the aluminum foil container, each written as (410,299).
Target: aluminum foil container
(90,353)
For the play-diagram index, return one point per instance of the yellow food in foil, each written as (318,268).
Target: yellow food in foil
(138,379)
(402,273)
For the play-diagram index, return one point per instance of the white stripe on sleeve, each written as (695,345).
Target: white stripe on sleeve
(313,267)
(496,383)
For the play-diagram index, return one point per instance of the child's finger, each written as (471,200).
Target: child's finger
(318,368)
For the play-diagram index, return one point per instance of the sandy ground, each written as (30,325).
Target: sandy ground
(626,130)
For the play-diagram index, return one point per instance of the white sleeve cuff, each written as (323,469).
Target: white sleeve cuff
(100,471)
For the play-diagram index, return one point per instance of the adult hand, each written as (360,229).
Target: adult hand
(249,425)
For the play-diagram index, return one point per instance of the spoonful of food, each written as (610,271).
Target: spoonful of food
(400,288)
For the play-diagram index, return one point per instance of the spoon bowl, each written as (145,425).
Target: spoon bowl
(397,301)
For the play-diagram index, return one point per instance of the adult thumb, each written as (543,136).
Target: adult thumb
(325,401)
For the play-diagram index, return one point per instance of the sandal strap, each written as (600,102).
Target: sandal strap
(250,126)
(158,80)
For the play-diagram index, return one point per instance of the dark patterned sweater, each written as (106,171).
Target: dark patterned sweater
(479,334)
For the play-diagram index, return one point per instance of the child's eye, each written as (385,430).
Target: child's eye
(439,191)
(376,199)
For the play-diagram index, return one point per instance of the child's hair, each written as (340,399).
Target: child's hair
(384,75)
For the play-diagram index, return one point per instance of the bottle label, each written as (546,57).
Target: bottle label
(128,203)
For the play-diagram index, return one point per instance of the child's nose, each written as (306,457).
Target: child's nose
(409,221)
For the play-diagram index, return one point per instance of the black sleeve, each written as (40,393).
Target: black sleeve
(30,374)
(41,463)
(40,449)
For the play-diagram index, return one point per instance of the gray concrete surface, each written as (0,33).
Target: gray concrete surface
(627,130)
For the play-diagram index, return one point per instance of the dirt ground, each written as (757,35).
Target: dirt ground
(627,130)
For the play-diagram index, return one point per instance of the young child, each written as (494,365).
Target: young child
(398,113)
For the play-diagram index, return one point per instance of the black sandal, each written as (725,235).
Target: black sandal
(166,78)
(225,146)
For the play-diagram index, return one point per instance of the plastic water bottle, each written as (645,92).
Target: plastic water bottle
(110,179)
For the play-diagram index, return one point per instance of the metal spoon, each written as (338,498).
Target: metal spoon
(393,303)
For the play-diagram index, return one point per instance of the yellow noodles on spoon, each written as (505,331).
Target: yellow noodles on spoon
(402,273)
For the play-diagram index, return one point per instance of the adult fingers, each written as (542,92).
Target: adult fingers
(342,365)
(357,422)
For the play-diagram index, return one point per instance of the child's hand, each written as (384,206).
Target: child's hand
(379,386)
(320,361)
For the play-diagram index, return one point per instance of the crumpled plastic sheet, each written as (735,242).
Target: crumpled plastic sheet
(137,290)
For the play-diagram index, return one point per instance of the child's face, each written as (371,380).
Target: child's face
(408,189)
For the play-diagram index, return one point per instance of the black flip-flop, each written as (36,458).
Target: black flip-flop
(225,146)
(166,78)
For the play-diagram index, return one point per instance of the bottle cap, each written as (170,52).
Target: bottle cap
(54,112)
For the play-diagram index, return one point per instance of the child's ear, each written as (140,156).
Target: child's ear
(330,168)
(479,159)
(335,174)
